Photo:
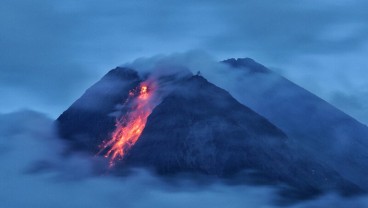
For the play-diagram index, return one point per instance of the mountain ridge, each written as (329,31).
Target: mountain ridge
(324,131)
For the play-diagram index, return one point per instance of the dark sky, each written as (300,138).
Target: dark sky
(51,51)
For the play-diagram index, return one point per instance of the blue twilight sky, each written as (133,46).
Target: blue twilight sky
(51,51)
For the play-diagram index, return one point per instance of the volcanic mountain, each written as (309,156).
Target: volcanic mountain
(195,127)
(327,134)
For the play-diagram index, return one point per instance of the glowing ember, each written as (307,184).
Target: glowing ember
(130,127)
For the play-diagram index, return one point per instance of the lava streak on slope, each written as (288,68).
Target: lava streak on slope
(129,128)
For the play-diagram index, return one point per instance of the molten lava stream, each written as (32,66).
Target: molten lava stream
(129,128)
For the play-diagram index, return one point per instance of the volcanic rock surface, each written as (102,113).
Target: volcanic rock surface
(327,134)
(199,128)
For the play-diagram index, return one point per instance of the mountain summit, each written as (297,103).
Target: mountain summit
(195,127)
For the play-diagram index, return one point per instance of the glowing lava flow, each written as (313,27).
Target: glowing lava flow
(130,127)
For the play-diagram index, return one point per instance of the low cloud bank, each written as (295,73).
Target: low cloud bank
(35,173)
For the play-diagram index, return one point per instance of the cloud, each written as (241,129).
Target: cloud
(48,44)
(27,140)
(332,77)
(52,51)
(334,201)
(284,104)
(35,173)
(355,104)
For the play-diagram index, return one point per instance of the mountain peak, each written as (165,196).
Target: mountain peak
(198,127)
(198,78)
(246,63)
(201,128)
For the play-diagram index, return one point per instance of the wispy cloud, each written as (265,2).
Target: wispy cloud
(48,44)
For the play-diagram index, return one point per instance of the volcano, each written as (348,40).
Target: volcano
(324,132)
(196,127)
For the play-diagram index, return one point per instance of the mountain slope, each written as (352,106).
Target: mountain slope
(90,119)
(325,132)
(199,128)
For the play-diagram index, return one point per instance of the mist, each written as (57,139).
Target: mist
(52,51)
(48,44)
(35,173)
(315,127)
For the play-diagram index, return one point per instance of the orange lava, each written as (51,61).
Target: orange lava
(130,127)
